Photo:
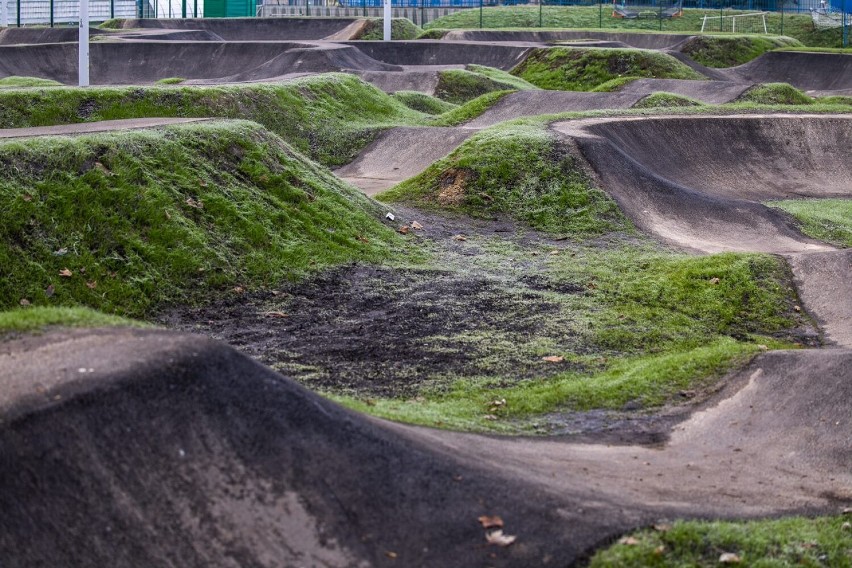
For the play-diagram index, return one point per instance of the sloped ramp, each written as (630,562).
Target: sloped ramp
(400,153)
(534,103)
(258,29)
(149,448)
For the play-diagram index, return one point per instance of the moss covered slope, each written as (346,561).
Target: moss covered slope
(728,51)
(126,222)
(583,69)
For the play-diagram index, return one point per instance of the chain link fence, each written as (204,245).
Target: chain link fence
(64,12)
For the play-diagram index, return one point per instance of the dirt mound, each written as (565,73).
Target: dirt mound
(428,52)
(23,36)
(701,191)
(804,70)
(711,92)
(533,103)
(259,29)
(130,448)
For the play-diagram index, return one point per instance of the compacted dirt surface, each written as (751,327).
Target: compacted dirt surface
(147,447)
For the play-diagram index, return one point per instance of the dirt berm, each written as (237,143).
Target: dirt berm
(149,448)
(259,29)
(430,52)
(699,181)
(133,63)
(644,41)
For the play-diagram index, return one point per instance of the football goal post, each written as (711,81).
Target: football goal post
(751,23)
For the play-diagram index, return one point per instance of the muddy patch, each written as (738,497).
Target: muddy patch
(372,331)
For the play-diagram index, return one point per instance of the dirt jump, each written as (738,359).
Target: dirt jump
(150,447)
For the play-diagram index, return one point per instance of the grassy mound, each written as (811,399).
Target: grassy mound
(583,69)
(795,541)
(459,85)
(520,171)
(421,102)
(728,51)
(330,117)
(126,222)
(828,220)
(774,94)
(401,29)
(21,82)
(666,100)
(798,26)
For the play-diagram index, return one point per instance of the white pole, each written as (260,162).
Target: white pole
(388,17)
(4,14)
(84,44)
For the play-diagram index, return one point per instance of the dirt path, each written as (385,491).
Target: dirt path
(93,127)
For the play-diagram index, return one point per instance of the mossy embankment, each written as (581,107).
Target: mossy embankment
(518,170)
(730,50)
(127,222)
(584,69)
(828,220)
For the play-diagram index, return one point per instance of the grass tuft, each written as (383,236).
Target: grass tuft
(421,102)
(24,82)
(666,100)
(31,319)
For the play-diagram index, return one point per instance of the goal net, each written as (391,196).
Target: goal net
(826,18)
(750,23)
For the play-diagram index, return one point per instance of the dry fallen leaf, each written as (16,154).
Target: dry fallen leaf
(662,527)
(27,197)
(459,238)
(660,550)
(628,541)
(497,537)
(404,229)
(553,358)
(797,308)
(729,558)
(65,273)
(194,204)
(278,315)
(24,302)
(91,285)
(49,291)
(489,522)
(847,526)
(416,226)
(239,289)
(390,554)
(554,252)
(714,281)
(362,239)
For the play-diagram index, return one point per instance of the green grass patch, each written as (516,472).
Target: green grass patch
(599,18)
(583,69)
(23,82)
(29,319)
(828,220)
(401,29)
(520,171)
(835,100)
(613,84)
(502,77)
(330,117)
(775,94)
(666,100)
(171,81)
(796,541)
(728,51)
(127,222)
(421,102)
(469,110)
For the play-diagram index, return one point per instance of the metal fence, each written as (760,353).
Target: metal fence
(63,12)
